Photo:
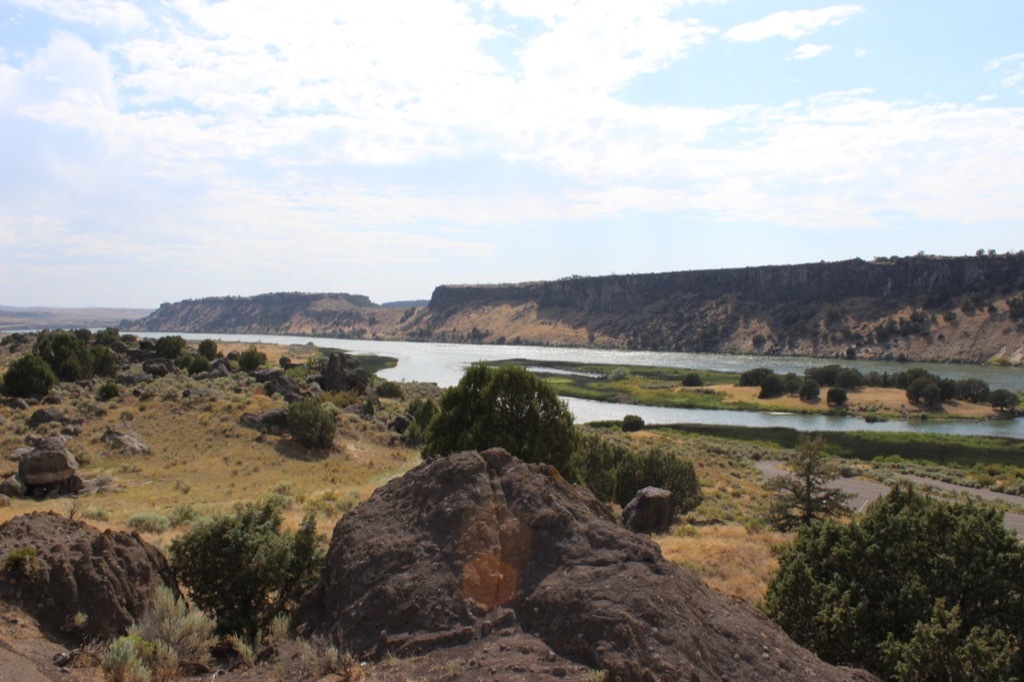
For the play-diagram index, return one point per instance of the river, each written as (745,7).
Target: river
(444,364)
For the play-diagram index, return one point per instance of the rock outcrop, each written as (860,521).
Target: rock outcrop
(74,568)
(344,373)
(476,544)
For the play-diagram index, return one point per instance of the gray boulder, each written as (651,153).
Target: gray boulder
(48,465)
(13,487)
(276,381)
(46,415)
(650,511)
(124,442)
(158,367)
(18,453)
(271,421)
(344,373)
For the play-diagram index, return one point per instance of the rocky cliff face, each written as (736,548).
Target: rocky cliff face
(895,282)
(965,309)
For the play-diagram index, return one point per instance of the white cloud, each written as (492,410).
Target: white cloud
(240,129)
(120,14)
(1012,69)
(809,51)
(791,24)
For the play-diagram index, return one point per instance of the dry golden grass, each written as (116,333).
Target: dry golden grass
(200,455)
(730,559)
(882,401)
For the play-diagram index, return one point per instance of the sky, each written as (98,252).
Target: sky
(171,149)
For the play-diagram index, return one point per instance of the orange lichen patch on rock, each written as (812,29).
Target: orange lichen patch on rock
(488,582)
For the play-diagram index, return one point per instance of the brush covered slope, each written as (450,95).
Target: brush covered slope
(475,546)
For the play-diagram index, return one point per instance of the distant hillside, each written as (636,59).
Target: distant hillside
(278,313)
(963,309)
(12,317)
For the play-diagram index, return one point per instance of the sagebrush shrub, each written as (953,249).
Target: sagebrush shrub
(122,661)
(148,522)
(168,621)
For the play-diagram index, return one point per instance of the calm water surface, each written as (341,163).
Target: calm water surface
(444,364)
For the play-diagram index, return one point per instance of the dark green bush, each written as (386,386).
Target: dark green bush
(108,336)
(170,347)
(809,390)
(390,389)
(836,396)
(692,379)
(27,376)
(593,464)
(251,358)
(507,407)
(104,362)
(1003,399)
(66,354)
(754,377)
(108,390)
(208,349)
(871,593)
(771,386)
(197,364)
(312,423)
(244,569)
(632,422)
(662,469)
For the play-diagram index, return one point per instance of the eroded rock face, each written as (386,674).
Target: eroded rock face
(107,575)
(475,543)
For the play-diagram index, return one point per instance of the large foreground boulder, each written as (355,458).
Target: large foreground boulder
(73,568)
(480,543)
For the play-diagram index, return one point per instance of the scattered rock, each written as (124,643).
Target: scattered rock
(125,442)
(401,422)
(474,537)
(45,415)
(18,453)
(5,501)
(158,367)
(273,421)
(107,576)
(650,511)
(13,487)
(276,381)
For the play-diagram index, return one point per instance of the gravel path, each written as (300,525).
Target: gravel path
(866,491)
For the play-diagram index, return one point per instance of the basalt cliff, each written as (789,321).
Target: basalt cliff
(959,309)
